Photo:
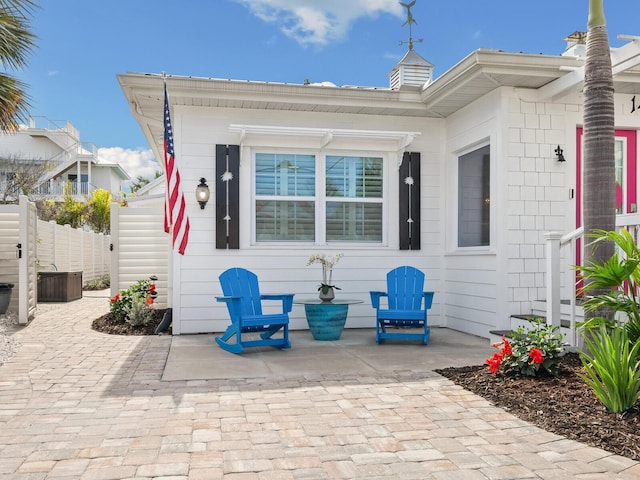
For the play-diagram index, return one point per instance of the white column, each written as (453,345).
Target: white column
(552,248)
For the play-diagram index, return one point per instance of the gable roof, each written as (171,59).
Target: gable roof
(95,163)
(479,73)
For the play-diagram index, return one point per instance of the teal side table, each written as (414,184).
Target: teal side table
(326,319)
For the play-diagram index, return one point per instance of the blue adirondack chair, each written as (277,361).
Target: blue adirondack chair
(407,306)
(244,303)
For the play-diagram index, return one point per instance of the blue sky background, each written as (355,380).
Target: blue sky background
(83,44)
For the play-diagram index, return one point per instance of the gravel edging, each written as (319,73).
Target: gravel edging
(8,345)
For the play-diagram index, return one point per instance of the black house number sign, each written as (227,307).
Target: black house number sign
(634,107)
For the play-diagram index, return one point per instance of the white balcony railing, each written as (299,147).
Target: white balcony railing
(57,189)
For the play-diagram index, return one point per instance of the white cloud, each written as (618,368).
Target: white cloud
(318,22)
(138,162)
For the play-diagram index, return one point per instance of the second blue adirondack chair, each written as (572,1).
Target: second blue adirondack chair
(407,306)
(244,303)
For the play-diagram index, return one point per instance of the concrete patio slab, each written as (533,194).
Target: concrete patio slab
(198,357)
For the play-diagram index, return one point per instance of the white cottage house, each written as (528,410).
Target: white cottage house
(461,176)
(70,160)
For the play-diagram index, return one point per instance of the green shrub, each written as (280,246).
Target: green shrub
(138,312)
(99,283)
(617,283)
(121,305)
(612,369)
(531,352)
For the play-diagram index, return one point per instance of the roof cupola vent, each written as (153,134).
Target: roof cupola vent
(413,70)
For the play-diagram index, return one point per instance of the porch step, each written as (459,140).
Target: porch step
(525,318)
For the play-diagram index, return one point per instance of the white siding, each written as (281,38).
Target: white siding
(538,195)
(140,248)
(283,269)
(474,280)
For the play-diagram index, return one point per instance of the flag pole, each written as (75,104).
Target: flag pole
(176,218)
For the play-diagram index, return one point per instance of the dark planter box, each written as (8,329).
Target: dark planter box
(59,286)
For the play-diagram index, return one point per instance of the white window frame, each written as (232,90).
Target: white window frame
(320,198)
(453,195)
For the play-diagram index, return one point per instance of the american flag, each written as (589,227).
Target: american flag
(176,219)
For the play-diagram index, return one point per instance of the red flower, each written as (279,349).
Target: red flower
(536,356)
(494,362)
(506,349)
(149,301)
(504,345)
(152,288)
(115,298)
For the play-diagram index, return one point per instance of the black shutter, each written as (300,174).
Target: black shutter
(409,201)
(227,197)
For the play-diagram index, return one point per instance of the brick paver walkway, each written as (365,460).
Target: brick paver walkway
(77,404)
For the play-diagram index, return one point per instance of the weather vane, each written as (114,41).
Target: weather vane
(409,21)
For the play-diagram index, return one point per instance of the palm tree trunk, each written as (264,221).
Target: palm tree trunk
(599,137)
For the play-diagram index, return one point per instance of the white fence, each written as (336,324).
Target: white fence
(68,249)
(28,245)
(139,247)
(17,256)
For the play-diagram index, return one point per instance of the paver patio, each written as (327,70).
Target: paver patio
(78,404)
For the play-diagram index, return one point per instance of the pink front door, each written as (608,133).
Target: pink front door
(626,173)
(626,179)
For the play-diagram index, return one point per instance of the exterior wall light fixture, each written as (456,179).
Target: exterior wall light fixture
(559,153)
(202,193)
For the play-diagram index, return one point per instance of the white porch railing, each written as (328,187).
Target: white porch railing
(561,253)
(57,188)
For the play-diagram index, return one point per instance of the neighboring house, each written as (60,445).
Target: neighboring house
(69,159)
(461,176)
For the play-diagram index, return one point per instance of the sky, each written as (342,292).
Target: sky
(83,44)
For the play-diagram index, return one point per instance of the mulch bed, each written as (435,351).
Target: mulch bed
(107,324)
(564,405)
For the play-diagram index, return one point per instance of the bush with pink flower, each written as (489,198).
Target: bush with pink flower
(531,352)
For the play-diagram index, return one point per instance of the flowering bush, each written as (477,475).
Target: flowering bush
(327,268)
(532,352)
(126,305)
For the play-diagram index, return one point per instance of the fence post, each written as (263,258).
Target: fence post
(114,248)
(23,273)
(54,247)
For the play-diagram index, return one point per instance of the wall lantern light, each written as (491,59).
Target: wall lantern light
(202,193)
(559,154)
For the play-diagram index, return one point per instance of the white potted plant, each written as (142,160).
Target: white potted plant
(326,288)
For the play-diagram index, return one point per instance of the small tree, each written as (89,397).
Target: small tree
(141,181)
(71,212)
(20,176)
(99,211)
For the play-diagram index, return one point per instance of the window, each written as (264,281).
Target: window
(294,190)
(474,200)
(285,197)
(619,159)
(354,199)
(83,188)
